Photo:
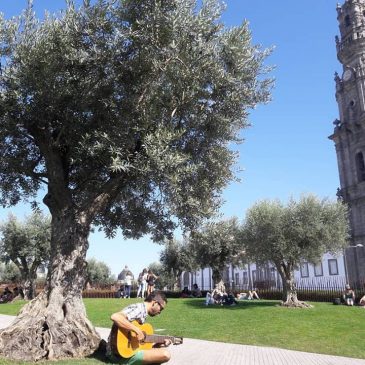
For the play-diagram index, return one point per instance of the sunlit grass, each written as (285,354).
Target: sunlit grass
(325,328)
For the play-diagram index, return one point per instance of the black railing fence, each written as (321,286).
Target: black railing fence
(311,289)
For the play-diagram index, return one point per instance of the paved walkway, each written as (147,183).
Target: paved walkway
(194,352)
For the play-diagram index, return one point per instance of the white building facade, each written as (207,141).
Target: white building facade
(330,272)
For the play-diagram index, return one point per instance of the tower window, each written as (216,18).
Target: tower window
(360,166)
(347,20)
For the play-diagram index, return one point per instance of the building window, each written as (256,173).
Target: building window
(360,166)
(318,269)
(254,276)
(332,267)
(347,21)
(272,274)
(304,272)
(245,277)
(237,278)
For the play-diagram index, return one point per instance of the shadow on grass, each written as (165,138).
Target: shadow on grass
(100,354)
(242,304)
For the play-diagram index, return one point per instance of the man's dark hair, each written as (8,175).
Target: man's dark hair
(157,296)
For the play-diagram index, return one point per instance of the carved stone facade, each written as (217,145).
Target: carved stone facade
(349,131)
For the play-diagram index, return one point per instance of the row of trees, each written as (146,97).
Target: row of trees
(281,234)
(25,248)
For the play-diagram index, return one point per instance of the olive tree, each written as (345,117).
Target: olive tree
(287,234)
(122,112)
(27,245)
(215,245)
(175,259)
(98,273)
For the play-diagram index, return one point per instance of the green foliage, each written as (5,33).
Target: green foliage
(176,258)
(215,245)
(9,273)
(98,273)
(164,278)
(26,244)
(301,230)
(125,110)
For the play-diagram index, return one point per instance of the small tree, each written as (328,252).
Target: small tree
(287,234)
(215,245)
(176,258)
(98,273)
(27,245)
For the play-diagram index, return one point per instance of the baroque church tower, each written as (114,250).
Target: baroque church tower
(349,131)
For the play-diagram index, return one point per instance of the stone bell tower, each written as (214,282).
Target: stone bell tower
(349,131)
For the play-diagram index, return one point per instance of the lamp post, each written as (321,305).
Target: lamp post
(355,262)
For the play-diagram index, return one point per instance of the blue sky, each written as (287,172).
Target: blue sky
(286,151)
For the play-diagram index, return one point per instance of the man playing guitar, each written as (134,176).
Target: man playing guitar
(153,305)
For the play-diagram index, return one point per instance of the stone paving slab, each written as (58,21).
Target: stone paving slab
(194,352)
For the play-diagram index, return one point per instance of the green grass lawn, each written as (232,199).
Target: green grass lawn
(325,328)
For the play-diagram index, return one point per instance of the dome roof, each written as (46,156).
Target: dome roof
(124,273)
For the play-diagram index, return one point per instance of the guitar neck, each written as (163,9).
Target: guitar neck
(158,338)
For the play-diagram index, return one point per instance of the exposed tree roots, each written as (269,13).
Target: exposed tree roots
(49,328)
(290,303)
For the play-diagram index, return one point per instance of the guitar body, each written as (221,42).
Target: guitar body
(125,343)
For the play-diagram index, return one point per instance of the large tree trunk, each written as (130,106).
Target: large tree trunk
(290,296)
(29,286)
(218,279)
(54,325)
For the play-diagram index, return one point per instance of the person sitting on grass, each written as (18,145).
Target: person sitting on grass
(248,296)
(185,293)
(362,300)
(229,299)
(196,292)
(215,297)
(348,295)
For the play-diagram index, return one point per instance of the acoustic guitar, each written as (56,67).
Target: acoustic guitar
(125,343)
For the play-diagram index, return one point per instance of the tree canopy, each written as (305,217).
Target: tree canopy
(175,258)
(27,245)
(125,110)
(98,273)
(286,235)
(215,245)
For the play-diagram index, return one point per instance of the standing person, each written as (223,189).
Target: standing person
(151,280)
(142,283)
(153,305)
(128,284)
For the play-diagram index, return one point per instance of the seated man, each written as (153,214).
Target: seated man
(153,305)
(348,295)
(185,293)
(196,292)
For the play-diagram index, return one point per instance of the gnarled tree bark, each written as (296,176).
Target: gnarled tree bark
(290,295)
(54,324)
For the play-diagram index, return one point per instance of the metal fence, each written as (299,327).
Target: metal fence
(311,289)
